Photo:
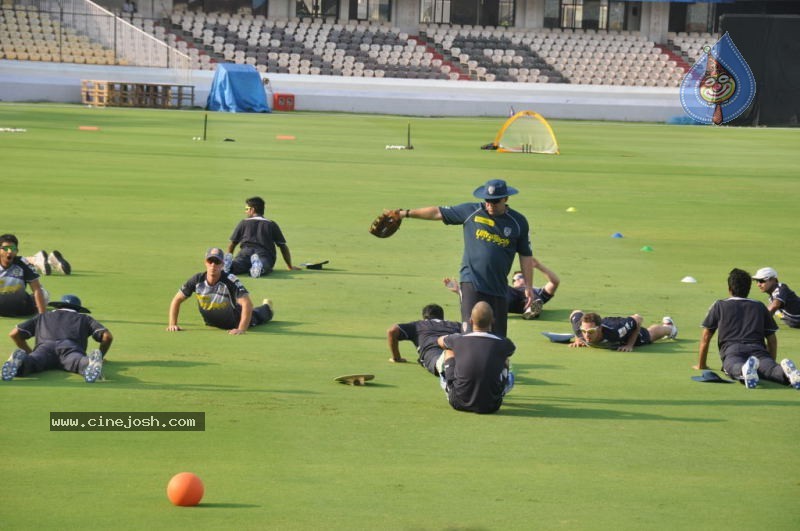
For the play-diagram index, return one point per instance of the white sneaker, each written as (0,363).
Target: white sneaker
(791,372)
(59,263)
(256,267)
(227,262)
(440,366)
(749,372)
(40,262)
(667,321)
(11,367)
(534,310)
(268,302)
(95,368)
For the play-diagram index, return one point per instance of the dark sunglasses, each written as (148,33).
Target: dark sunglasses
(495,201)
(9,248)
(761,280)
(589,330)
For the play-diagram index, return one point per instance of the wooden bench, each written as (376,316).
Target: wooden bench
(132,94)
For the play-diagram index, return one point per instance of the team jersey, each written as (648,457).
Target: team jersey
(14,300)
(490,244)
(62,324)
(616,331)
(217,303)
(741,324)
(789,299)
(425,333)
(476,382)
(260,234)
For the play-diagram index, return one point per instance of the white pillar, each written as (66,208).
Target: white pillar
(655,21)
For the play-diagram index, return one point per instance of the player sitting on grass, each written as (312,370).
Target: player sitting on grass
(61,342)
(15,274)
(424,334)
(620,333)
(745,325)
(475,371)
(783,302)
(515,293)
(257,238)
(223,300)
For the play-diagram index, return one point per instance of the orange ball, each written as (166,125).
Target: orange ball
(185,489)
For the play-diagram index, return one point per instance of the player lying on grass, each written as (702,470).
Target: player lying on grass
(61,342)
(222,299)
(515,293)
(15,275)
(424,334)
(747,343)
(783,302)
(620,333)
(475,368)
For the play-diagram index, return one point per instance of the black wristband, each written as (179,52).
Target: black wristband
(408,212)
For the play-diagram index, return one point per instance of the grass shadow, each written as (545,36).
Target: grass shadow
(286,327)
(227,505)
(513,408)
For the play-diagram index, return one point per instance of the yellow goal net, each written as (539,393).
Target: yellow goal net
(526,132)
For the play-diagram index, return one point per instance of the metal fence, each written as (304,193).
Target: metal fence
(129,43)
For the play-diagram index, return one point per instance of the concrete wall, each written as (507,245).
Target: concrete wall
(32,81)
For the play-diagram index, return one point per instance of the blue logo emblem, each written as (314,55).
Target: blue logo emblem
(720,85)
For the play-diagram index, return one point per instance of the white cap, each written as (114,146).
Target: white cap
(765,273)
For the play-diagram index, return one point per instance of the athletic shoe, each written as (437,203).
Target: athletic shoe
(227,262)
(440,365)
(509,382)
(40,262)
(268,302)
(749,372)
(11,367)
(791,372)
(667,321)
(59,263)
(95,368)
(534,310)
(256,267)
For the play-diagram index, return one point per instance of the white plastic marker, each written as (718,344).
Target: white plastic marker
(689,280)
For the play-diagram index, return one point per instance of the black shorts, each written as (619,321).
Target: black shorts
(470,296)
(429,358)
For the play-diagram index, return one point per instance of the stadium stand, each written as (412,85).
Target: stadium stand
(688,47)
(315,47)
(28,35)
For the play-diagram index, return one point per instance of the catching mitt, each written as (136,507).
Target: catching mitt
(386,224)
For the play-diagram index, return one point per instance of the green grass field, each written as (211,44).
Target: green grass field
(588,439)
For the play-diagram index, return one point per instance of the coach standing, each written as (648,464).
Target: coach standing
(493,235)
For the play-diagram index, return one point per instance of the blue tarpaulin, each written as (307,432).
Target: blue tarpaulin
(237,88)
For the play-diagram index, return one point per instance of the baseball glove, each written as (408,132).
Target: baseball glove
(386,224)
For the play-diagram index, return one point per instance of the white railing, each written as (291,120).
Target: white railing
(128,42)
